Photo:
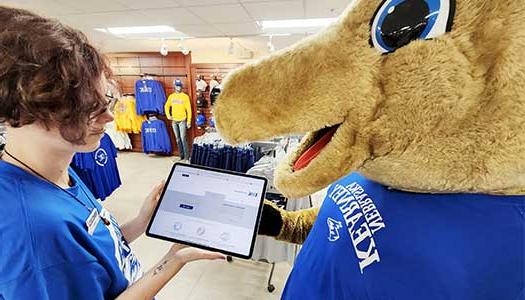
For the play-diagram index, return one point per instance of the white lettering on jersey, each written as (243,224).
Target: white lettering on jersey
(145,89)
(127,261)
(362,219)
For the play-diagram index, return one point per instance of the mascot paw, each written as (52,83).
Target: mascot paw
(271,220)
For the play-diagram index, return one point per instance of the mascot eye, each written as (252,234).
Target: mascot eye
(398,22)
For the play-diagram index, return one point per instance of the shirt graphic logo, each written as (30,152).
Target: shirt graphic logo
(145,89)
(333,228)
(101,157)
(127,261)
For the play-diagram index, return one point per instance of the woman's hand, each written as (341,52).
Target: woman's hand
(146,212)
(150,284)
(136,227)
(186,254)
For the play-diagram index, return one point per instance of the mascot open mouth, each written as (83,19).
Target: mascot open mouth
(313,145)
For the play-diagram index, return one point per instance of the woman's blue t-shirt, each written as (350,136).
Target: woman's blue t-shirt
(46,251)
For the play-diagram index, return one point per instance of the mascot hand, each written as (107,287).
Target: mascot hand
(271,220)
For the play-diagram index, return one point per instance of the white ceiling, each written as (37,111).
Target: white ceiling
(205,20)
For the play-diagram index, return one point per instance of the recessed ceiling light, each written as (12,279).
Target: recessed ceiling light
(276,34)
(137,29)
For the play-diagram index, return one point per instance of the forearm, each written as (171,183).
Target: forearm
(297,224)
(153,281)
(134,229)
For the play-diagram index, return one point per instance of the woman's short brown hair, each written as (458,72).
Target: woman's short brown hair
(49,73)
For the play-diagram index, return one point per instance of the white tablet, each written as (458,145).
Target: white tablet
(210,209)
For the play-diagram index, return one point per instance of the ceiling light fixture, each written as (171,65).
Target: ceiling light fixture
(296,23)
(140,29)
(163,48)
(271,46)
(276,34)
(185,50)
(231,48)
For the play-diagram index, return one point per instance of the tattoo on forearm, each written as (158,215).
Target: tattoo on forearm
(160,268)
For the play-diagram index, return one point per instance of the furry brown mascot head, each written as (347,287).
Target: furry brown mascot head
(435,111)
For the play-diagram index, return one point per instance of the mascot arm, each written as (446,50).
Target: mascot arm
(288,226)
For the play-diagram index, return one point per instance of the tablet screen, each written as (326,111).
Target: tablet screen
(212,208)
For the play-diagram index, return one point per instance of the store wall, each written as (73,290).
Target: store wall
(129,66)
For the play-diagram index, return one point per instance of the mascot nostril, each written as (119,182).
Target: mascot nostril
(420,140)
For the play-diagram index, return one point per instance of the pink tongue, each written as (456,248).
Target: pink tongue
(314,150)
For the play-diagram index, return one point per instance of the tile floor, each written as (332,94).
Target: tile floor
(203,280)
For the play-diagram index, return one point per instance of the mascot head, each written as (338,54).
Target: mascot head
(420,95)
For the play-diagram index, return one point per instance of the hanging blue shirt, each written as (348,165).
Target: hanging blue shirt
(98,169)
(46,251)
(369,242)
(155,137)
(150,97)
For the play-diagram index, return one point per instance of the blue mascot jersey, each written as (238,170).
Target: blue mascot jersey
(46,251)
(370,242)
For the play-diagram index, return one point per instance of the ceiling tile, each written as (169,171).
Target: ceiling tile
(93,6)
(140,4)
(228,13)
(275,10)
(113,19)
(239,29)
(200,30)
(206,2)
(325,8)
(173,16)
(49,8)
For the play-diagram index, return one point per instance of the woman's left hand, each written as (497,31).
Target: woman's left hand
(146,212)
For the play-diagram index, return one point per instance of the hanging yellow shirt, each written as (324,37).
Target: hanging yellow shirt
(126,117)
(178,107)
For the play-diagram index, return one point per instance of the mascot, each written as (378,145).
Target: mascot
(414,115)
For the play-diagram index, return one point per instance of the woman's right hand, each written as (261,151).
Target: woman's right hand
(186,254)
(151,283)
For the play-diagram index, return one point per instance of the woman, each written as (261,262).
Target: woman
(57,242)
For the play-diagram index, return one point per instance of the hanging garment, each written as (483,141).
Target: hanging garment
(126,117)
(213,83)
(98,169)
(150,96)
(223,157)
(201,100)
(155,138)
(201,85)
(214,94)
(119,138)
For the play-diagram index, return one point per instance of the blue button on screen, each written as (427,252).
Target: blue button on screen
(186,206)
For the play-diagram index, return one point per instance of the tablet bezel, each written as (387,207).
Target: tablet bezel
(169,239)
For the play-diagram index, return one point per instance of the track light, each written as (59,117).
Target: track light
(163,48)
(231,49)
(270,45)
(185,50)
